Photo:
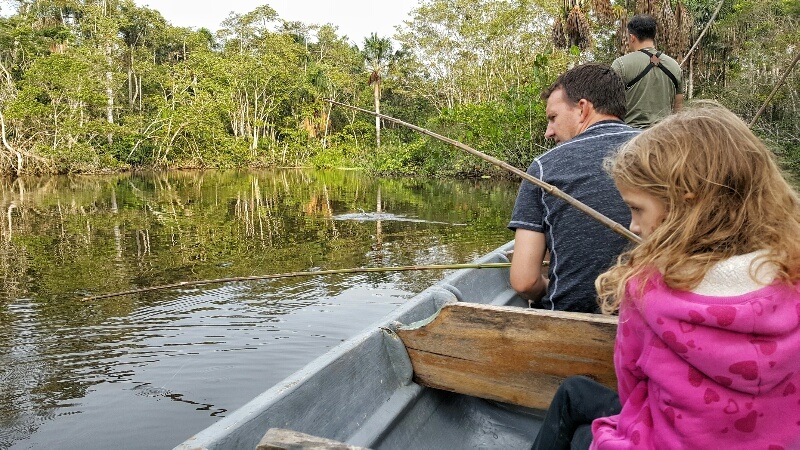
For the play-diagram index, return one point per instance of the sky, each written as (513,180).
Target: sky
(355,18)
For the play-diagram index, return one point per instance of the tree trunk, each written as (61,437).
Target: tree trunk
(131,80)
(254,142)
(326,118)
(18,169)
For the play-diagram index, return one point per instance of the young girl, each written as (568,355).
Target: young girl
(708,344)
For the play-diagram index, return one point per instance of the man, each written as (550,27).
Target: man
(584,107)
(653,80)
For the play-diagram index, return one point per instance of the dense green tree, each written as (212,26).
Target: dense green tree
(472,51)
(90,85)
(335,72)
(739,60)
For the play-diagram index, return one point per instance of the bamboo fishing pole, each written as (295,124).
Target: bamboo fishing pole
(301,274)
(775,89)
(549,188)
(699,38)
(777,85)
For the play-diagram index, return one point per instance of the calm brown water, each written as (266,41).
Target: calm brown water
(149,370)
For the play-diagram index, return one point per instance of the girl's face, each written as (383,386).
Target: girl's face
(647,212)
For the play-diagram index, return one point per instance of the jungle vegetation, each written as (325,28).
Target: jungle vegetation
(106,85)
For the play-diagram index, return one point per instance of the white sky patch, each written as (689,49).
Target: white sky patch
(356,19)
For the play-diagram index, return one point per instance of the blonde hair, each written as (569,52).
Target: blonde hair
(724,195)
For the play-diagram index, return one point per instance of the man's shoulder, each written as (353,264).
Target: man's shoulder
(664,58)
(601,136)
(639,57)
(630,64)
(671,64)
(631,57)
(606,129)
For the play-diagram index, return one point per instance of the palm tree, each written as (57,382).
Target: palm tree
(377,56)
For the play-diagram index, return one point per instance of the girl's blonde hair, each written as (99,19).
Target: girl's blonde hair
(724,195)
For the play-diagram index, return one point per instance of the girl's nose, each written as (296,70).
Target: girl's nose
(634,227)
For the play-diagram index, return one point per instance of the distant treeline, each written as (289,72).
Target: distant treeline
(105,85)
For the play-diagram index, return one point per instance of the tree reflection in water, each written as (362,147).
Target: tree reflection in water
(151,370)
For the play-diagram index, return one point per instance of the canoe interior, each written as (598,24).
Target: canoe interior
(361,391)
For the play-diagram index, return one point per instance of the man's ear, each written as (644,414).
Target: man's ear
(586,108)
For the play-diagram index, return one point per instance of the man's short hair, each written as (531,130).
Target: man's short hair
(643,26)
(597,83)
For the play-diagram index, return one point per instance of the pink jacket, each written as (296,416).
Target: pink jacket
(698,371)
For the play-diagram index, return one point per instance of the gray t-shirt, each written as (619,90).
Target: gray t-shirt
(580,247)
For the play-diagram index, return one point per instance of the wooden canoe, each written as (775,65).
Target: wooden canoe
(464,364)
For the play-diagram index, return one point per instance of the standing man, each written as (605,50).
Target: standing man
(653,80)
(584,107)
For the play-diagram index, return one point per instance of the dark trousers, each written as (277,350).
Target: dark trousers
(578,401)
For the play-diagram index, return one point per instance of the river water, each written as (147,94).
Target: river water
(149,370)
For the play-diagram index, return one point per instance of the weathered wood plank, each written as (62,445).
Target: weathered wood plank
(510,354)
(281,439)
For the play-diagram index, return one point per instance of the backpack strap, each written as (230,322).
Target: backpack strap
(655,61)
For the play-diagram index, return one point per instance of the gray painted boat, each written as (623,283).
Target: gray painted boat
(363,393)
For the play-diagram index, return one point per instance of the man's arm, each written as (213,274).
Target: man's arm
(678,104)
(526,265)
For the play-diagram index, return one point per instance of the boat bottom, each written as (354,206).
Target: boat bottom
(440,419)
